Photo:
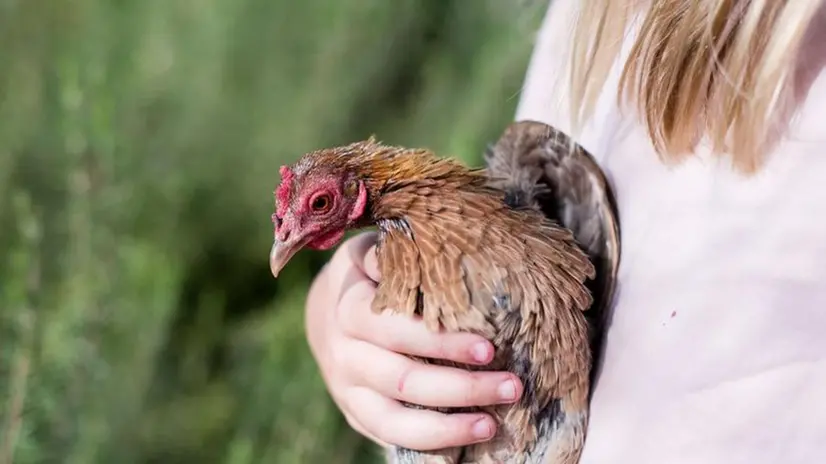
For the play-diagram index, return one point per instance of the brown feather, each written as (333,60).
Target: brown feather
(471,249)
(541,167)
(474,250)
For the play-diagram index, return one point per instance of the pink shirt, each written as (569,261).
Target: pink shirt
(716,350)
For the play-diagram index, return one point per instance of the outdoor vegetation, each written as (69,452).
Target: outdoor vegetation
(140,142)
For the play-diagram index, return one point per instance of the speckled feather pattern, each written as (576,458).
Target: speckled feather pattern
(541,167)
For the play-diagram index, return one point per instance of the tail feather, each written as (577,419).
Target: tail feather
(540,167)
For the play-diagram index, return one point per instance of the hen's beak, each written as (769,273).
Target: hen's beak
(281,252)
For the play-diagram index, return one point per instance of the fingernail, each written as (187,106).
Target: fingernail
(507,390)
(479,352)
(483,429)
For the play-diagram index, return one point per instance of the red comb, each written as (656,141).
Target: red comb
(282,193)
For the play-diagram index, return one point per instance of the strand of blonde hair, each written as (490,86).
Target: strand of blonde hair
(715,69)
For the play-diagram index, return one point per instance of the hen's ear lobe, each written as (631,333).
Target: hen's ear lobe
(351,187)
(361,202)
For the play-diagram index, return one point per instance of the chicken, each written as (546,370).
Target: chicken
(474,250)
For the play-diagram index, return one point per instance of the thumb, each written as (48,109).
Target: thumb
(355,259)
(361,251)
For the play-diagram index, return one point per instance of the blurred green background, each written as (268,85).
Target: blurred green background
(140,142)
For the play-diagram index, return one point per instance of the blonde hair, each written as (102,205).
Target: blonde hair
(720,69)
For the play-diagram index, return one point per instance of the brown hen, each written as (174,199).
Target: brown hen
(479,251)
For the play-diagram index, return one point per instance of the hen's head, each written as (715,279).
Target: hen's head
(316,203)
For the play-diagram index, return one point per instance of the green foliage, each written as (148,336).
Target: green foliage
(138,153)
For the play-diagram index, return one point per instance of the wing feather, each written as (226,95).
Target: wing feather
(469,253)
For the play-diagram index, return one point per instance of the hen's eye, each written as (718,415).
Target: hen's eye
(320,203)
